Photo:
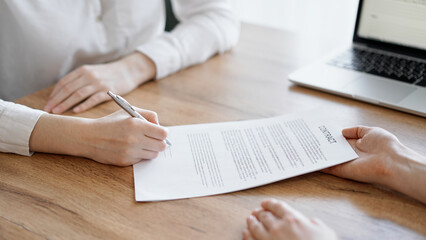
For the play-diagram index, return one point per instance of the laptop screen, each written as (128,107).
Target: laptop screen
(397,22)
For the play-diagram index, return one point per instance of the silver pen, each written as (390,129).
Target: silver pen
(129,109)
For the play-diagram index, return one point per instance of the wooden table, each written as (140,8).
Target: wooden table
(58,197)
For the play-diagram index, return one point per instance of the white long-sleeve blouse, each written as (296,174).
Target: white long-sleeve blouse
(41,41)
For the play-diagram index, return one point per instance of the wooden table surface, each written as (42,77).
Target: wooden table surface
(50,196)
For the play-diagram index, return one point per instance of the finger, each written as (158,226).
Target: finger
(280,209)
(75,98)
(256,211)
(273,206)
(339,170)
(64,92)
(148,115)
(64,81)
(69,79)
(247,235)
(130,157)
(355,132)
(92,101)
(153,144)
(356,170)
(256,229)
(267,219)
(146,154)
(353,143)
(327,170)
(155,131)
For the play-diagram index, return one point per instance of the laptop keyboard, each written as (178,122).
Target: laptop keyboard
(393,67)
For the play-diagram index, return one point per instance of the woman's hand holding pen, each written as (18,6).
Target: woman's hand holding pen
(119,139)
(86,86)
(116,139)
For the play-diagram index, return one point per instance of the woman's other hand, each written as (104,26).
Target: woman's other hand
(88,85)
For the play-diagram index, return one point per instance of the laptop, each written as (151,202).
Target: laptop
(386,64)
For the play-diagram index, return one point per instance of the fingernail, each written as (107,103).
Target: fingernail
(256,211)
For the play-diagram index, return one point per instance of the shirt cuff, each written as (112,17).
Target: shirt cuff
(17,123)
(162,51)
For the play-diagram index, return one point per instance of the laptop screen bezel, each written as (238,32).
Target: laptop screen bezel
(400,49)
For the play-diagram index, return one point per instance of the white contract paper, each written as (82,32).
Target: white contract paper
(215,158)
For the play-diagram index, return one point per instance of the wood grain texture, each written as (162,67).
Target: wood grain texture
(60,197)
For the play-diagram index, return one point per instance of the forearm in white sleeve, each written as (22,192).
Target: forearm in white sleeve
(16,125)
(206,27)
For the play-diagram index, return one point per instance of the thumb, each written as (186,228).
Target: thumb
(355,132)
(338,170)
